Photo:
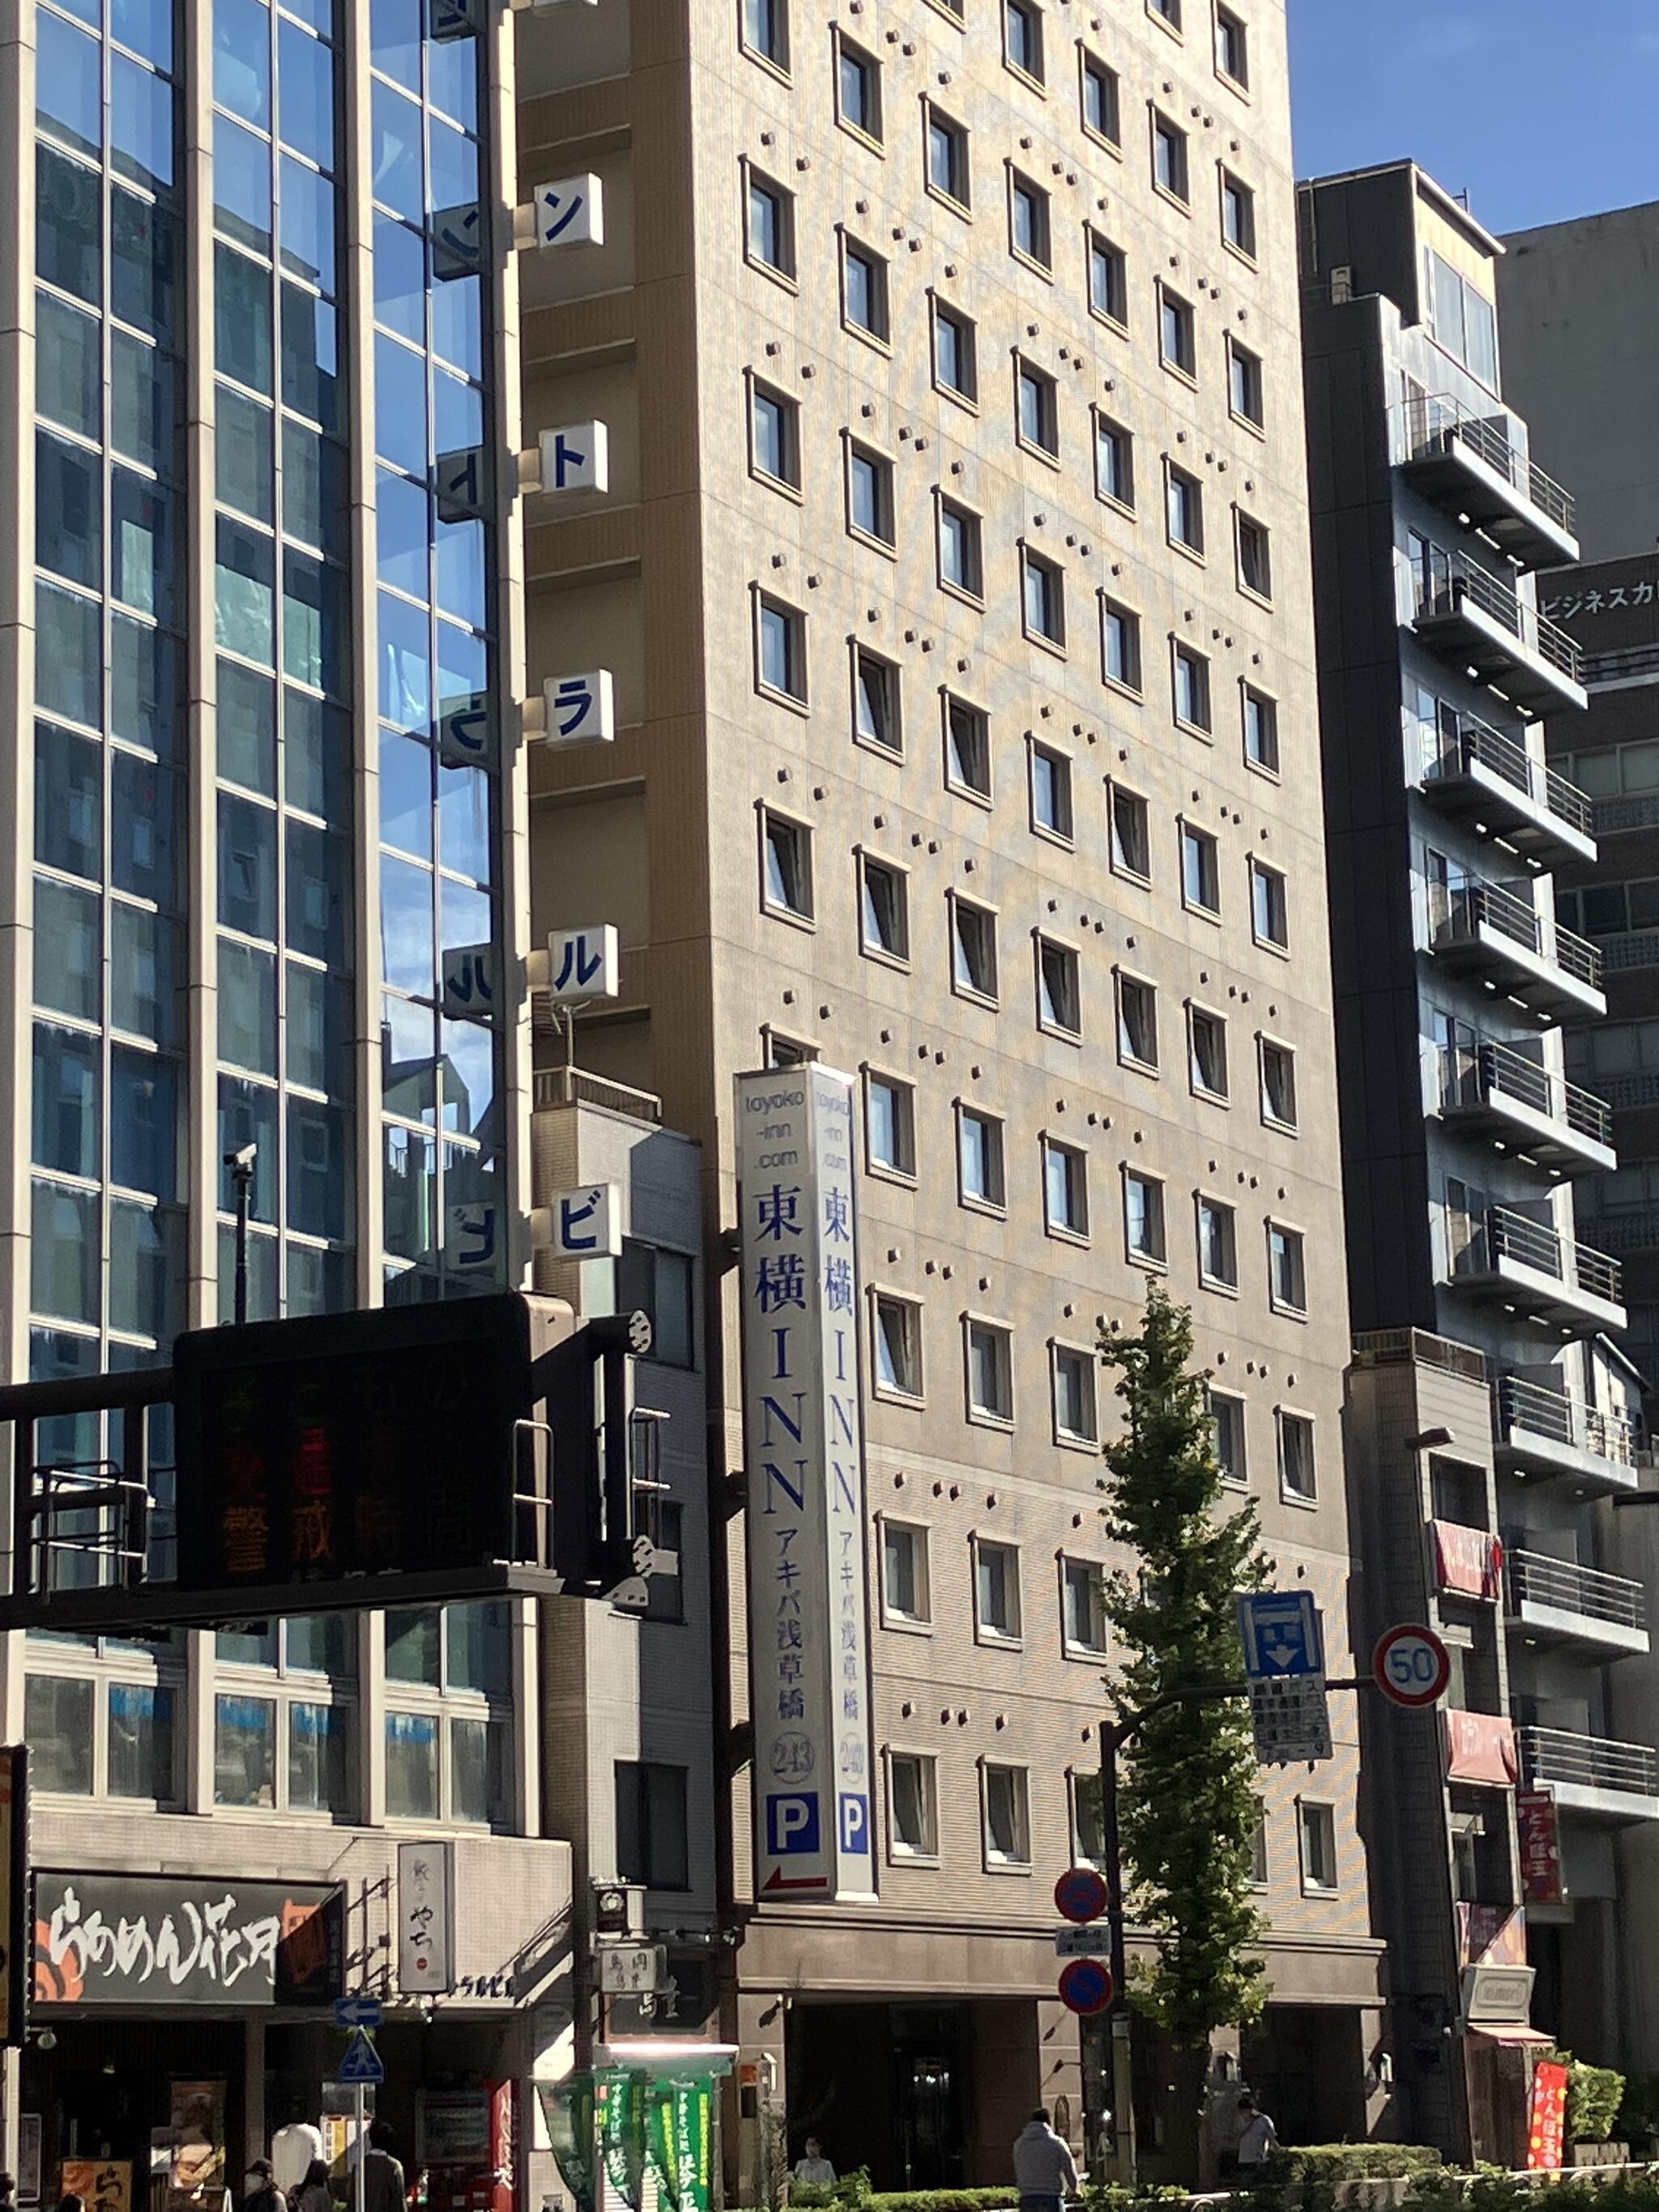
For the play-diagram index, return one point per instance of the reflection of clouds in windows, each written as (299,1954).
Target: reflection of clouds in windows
(463,817)
(469,1077)
(405,666)
(407,956)
(406,1060)
(465,915)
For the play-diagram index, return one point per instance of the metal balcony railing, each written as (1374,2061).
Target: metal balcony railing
(1393,1347)
(1462,739)
(1519,1404)
(1529,1243)
(1593,1762)
(1619,664)
(1569,1588)
(1635,1228)
(1433,423)
(1456,581)
(1633,811)
(575,1086)
(1636,1088)
(1629,948)
(1467,1078)
(1470,904)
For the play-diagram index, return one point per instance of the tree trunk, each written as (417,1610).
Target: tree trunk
(1189,2138)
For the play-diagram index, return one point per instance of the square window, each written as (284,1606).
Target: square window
(1058,1008)
(1200,870)
(869,494)
(1244,385)
(1232,46)
(906,1589)
(960,565)
(899,1346)
(1077,1419)
(1143,1218)
(1177,336)
(955,369)
(877,719)
(980,1177)
(858,88)
(1255,562)
(782,1051)
(1277,1084)
(1051,793)
(1261,729)
(1317,1827)
(991,1397)
(1238,214)
(1287,1276)
(912,1805)
(973,949)
(1022,35)
(947,158)
(1167,12)
(1296,1474)
(1192,688)
(1044,595)
(1217,1245)
(1169,170)
(883,910)
(1207,1052)
(1228,1416)
(1083,1587)
(1137,1022)
(1268,914)
(1108,279)
(1036,407)
(781,648)
(1101,107)
(1027,219)
(787,854)
(1007,1817)
(864,291)
(1120,645)
(1184,509)
(660,1283)
(1131,836)
(652,1839)
(771,225)
(996,1589)
(1114,462)
(1065,1188)
(766,31)
(967,747)
(774,434)
(890,1124)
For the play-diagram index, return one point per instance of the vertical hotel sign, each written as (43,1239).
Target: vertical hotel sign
(804,1451)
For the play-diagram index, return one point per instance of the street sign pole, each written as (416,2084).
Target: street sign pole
(361,2184)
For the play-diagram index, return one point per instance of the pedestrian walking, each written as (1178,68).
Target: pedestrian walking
(8,2192)
(293,2148)
(815,2169)
(260,2192)
(383,2173)
(313,2194)
(1044,2169)
(1258,2138)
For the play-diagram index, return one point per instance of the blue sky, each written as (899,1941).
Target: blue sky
(1540,110)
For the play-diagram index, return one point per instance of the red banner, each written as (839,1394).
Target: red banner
(1490,1936)
(1547,2128)
(1467,1560)
(1480,1747)
(1540,1847)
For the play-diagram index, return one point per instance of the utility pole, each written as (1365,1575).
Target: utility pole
(241,1164)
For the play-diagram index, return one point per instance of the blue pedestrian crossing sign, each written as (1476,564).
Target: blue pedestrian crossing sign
(361,2061)
(1281,1635)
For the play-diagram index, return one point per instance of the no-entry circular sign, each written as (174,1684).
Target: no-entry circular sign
(1411,1665)
(1080,1895)
(1086,1985)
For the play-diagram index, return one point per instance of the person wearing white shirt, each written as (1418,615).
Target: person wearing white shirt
(815,2168)
(292,2149)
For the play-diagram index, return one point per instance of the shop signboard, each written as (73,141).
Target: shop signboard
(31,2127)
(802,1422)
(452,2127)
(619,2105)
(196,2144)
(103,2185)
(1547,2126)
(568,2110)
(128,1939)
(1539,1834)
(426,1919)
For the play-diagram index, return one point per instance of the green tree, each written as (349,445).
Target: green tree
(1188,1800)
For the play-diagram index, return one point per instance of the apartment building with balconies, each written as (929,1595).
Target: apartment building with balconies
(1489,1401)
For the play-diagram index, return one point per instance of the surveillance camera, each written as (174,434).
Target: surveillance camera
(243,1157)
(46,2039)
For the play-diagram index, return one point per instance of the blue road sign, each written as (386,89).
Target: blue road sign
(1281,1635)
(356,2012)
(361,2061)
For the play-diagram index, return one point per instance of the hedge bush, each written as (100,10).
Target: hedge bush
(1595,2094)
(852,2193)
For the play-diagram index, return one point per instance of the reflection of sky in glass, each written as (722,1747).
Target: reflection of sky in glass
(463,914)
(407,957)
(405,666)
(469,1076)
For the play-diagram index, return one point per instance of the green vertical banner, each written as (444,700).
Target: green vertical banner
(568,2109)
(619,2100)
(692,2110)
(659,2143)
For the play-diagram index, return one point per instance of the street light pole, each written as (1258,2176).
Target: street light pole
(241,1164)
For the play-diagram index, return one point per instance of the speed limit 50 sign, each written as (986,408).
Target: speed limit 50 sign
(1411,1665)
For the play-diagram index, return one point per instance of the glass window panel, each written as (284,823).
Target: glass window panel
(476,1771)
(68,226)
(463,817)
(307,224)
(310,356)
(316,913)
(63,1255)
(400,286)
(146,25)
(247,866)
(394,36)
(67,946)
(245,592)
(405,650)
(396,152)
(142,1759)
(461,571)
(142,565)
(318,1763)
(408,955)
(143,685)
(142,823)
(413,1642)
(69,98)
(469,1079)
(407,1048)
(453,174)
(452,80)
(316,755)
(320,1643)
(247,728)
(319,1030)
(458,323)
(245,1752)
(313,488)
(241,59)
(245,464)
(479,1649)
(67,1086)
(400,431)
(69,375)
(314,623)
(143,963)
(248,1115)
(144,249)
(145,1275)
(262,1276)
(458,413)
(403,534)
(141,125)
(260,1646)
(241,186)
(412,1193)
(69,510)
(411,1766)
(306,94)
(57,1728)
(144,1122)
(242,319)
(406,800)
(143,406)
(465,916)
(69,801)
(68,656)
(318,1170)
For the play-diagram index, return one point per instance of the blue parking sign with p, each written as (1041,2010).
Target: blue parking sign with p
(854,1823)
(792,1824)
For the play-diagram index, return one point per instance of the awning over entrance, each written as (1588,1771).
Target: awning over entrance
(1511,2035)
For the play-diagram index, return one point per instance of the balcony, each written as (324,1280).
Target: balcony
(1481,931)
(1496,1091)
(1469,464)
(1526,1266)
(1473,773)
(1542,1433)
(1622,811)
(1557,1602)
(1626,949)
(1476,621)
(1614,1784)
